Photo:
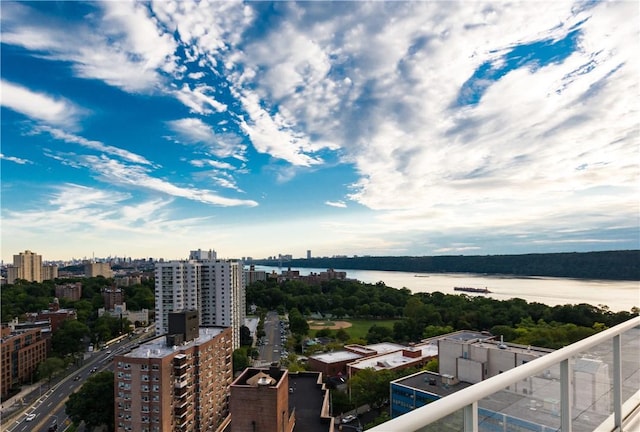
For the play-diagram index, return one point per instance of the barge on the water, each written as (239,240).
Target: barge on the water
(472,289)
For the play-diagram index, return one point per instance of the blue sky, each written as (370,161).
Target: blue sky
(370,128)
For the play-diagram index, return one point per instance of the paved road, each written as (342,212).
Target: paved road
(271,349)
(48,402)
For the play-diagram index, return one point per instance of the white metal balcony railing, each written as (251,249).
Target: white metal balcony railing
(610,402)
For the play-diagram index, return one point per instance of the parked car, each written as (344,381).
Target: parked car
(349,418)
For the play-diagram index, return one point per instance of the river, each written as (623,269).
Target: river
(616,295)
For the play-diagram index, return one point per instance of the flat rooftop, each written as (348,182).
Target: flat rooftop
(385,347)
(395,359)
(336,356)
(429,382)
(157,347)
(308,398)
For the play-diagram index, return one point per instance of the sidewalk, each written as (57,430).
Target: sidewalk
(20,401)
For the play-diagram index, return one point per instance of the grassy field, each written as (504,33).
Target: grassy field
(360,328)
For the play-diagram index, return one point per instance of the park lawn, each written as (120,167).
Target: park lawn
(360,328)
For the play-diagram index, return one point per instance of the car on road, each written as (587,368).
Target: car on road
(30,417)
(349,418)
(77,378)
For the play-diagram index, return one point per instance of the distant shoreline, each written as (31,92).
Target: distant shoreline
(608,265)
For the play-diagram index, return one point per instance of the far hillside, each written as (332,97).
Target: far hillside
(607,265)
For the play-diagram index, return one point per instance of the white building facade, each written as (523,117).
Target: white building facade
(213,287)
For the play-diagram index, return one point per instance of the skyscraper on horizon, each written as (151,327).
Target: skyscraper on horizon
(213,287)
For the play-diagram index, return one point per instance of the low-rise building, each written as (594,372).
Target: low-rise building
(272,399)
(136,318)
(55,315)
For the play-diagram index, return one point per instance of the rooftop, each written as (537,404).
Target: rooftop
(336,356)
(395,359)
(157,347)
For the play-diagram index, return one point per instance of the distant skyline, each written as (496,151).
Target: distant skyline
(345,128)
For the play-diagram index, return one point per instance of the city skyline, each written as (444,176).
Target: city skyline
(344,128)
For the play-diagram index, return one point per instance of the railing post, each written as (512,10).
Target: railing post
(470,415)
(617,383)
(565,396)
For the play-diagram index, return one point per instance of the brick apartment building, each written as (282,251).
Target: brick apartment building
(20,354)
(69,291)
(275,400)
(176,382)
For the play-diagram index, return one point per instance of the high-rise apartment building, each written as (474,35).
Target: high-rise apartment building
(26,265)
(93,269)
(176,382)
(213,287)
(49,272)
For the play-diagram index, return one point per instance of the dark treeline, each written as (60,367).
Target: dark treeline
(608,265)
(420,315)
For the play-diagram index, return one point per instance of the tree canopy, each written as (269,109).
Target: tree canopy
(94,403)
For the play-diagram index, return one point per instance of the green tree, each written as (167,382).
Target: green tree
(432,330)
(94,403)
(68,338)
(297,324)
(432,365)
(240,360)
(342,335)
(50,367)
(370,387)
(378,333)
(245,336)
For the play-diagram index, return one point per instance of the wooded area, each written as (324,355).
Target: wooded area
(608,265)
(422,315)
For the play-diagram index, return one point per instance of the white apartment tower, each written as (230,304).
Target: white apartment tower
(213,287)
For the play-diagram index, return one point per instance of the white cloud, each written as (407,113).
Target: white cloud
(14,159)
(39,106)
(195,131)
(124,51)
(115,221)
(94,145)
(339,204)
(134,176)
(199,99)
(212,163)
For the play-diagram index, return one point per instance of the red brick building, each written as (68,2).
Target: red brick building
(20,354)
(174,382)
(69,291)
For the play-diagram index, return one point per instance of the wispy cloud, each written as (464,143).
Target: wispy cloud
(14,159)
(339,204)
(199,99)
(40,106)
(195,131)
(137,177)
(93,145)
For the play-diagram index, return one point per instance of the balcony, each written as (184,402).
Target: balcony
(591,385)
